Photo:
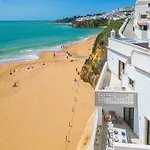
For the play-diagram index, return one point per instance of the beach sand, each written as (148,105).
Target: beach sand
(40,104)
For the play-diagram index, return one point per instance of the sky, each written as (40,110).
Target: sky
(55,9)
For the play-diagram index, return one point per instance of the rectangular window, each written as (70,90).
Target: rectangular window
(148,4)
(131,82)
(143,16)
(145,27)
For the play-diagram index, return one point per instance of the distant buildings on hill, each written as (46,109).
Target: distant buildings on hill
(120,13)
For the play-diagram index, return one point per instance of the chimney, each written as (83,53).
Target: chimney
(113,34)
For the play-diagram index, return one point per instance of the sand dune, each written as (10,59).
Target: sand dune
(46,107)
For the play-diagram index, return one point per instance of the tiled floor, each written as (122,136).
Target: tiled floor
(102,144)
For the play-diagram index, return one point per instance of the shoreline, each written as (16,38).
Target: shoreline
(41,53)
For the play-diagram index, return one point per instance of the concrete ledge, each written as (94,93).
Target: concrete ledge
(121,146)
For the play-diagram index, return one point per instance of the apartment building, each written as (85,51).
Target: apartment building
(122,94)
(142,12)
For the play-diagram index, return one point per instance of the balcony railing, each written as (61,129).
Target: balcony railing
(110,93)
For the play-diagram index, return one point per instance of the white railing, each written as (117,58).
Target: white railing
(101,79)
(121,30)
(92,141)
(124,47)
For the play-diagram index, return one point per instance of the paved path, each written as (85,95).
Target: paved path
(128,32)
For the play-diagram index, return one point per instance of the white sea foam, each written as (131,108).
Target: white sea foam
(18,59)
(32,54)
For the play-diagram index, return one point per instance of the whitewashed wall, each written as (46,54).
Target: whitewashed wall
(113,60)
(141,34)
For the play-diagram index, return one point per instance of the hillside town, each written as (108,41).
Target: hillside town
(117,14)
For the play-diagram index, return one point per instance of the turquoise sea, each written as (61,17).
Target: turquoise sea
(23,40)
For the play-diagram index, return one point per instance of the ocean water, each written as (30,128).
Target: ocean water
(23,40)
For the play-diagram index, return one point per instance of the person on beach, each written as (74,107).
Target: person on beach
(15,84)
(75,81)
(54,54)
(10,73)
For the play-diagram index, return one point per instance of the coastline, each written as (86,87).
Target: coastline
(55,49)
(29,99)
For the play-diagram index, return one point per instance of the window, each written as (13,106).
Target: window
(145,27)
(143,16)
(131,82)
(148,4)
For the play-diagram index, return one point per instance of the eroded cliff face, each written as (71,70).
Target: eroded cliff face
(93,66)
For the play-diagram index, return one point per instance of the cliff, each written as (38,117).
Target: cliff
(94,64)
(89,23)
(66,20)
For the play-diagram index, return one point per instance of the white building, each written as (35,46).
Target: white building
(142,11)
(122,94)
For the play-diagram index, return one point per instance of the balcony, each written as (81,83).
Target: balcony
(132,142)
(109,91)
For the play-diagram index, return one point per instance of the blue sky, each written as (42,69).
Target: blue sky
(54,9)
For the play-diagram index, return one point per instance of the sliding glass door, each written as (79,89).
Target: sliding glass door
(148,132)
(129,116)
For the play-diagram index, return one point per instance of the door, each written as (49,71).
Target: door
(129,116)
(121,69)
(148,132)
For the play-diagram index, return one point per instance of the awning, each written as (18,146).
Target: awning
(143,22)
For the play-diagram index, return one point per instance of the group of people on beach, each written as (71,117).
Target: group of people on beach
(63,47)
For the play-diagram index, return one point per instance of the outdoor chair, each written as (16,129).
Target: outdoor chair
(113,115)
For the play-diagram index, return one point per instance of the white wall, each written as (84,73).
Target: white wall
(123,47)
(141,34)
(113,60)
(120,46)
(141,60)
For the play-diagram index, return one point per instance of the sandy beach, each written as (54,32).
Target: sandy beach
(41,107)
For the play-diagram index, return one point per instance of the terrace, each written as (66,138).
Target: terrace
(109,91)
(103,136)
